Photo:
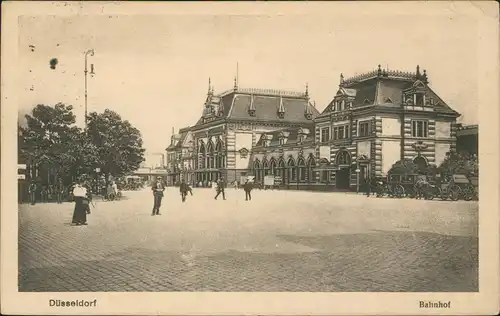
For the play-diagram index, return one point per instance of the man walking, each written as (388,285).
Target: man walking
(158,187)
(184,188)
(248,189)
(220,188)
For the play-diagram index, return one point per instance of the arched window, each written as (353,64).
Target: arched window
(219,155)
(201,155)
(421,162)
(272,167)
(256,169)
(282,170)
(302,170)
(343,158)
(292,171)
(311,164)
(265,167)
(210,155)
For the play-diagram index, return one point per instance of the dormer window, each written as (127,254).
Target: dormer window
(282,141)
(366,102)
(388,100)
(251,108)
(281,109)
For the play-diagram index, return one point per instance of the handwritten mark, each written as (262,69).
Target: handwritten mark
(32,48)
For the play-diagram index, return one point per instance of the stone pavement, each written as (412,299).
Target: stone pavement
(279,241)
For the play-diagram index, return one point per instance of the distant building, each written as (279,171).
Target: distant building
(180,157)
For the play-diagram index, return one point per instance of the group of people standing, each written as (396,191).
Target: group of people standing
(46,193)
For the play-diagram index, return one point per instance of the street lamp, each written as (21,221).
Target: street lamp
(87,53)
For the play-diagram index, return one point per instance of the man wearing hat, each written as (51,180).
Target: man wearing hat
(157,189)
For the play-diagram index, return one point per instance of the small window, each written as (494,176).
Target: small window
(250,112)
(282,141)
(325,134)
(419,129)
(364,129)
(281,114)
(420,99)
(341,132)
(366,102)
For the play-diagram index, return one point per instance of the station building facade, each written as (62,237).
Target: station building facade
(378,118)
(373,120)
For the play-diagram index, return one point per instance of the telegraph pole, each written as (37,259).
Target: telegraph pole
(87,53)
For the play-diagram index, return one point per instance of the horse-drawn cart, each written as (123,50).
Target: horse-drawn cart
(455,187)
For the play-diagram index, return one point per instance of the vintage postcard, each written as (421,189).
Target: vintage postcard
(250,158)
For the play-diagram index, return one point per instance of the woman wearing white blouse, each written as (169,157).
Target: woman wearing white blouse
(80,213)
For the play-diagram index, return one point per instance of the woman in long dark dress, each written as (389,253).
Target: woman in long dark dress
(80,212)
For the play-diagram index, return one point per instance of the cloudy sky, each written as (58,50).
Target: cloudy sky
(154,69)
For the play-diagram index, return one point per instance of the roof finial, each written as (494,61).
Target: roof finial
(235,83)
(425,77)
(307,90)
(209,83)
(341,79)
(173,131)
(379,71)
(418,71)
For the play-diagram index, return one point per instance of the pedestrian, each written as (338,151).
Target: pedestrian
(248,190)
(32,190)
(220,188)
(60,191)
(81,200)
(44,194)
(189,189)
(158,187)
(368,185)
(184,188)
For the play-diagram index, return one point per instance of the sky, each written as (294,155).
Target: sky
(154,69)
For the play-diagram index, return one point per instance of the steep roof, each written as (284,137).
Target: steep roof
(384,87)
(264,105)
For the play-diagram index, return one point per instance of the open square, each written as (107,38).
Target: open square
(280,241)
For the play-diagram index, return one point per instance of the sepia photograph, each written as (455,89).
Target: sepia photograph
(298,158)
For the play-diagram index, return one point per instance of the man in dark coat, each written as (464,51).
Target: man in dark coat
(248,189)
(220,188)
(184,188)
(158,187)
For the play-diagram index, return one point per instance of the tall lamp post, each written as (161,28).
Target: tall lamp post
(87,53)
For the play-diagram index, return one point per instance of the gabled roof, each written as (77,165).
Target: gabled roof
(386,88)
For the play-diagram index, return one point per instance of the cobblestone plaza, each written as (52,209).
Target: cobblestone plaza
(279,241)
